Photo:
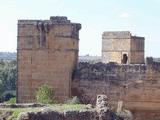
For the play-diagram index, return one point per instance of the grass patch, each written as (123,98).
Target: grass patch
(63,107)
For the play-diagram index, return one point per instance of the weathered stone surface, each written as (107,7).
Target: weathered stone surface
(136,85)
(102,104)
(102,107)
(87,115)
(71,115)
(48,114)
(47,53)
(101,71)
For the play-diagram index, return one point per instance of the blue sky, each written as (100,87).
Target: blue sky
(141,17)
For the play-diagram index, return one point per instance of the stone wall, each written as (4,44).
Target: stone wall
(136,85)
(47,113)
(47,53)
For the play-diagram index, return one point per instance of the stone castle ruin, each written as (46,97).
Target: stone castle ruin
(48,54)
(122,47)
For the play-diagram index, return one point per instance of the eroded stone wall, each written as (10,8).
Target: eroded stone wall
(136,85)
(47,53)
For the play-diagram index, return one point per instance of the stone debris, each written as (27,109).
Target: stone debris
(102,104)
(103,109)
(48,114)
(5,115)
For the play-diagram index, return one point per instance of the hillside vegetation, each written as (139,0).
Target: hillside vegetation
(8,77)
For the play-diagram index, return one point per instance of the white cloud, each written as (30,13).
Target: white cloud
(125,15)
(157,1)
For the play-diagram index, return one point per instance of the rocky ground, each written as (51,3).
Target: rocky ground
(35,111)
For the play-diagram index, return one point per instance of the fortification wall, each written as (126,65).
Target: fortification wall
(136,85)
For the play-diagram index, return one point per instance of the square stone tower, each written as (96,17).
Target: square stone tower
(47,53)
(122,47)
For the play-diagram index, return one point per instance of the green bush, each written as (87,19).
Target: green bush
(8,77)
(45,95)
(11,101)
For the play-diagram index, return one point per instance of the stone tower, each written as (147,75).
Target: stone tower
(47,53)
(122,47)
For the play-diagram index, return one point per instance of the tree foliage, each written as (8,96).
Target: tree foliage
(8,76)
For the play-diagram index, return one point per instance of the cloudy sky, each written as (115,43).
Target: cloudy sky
(141,17)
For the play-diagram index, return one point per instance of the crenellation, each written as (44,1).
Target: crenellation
(59,19)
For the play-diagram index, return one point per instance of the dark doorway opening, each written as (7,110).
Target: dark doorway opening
(125,58)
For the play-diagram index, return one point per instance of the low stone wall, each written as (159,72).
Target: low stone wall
(54,115)
(26,105)
(49,114)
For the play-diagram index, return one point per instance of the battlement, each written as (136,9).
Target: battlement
(59,19)
(37,34)
(53,20)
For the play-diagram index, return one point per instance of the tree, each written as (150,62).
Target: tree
(8,77)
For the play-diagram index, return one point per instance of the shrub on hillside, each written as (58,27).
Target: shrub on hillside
(45,94)
(8,77)
(11,101)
